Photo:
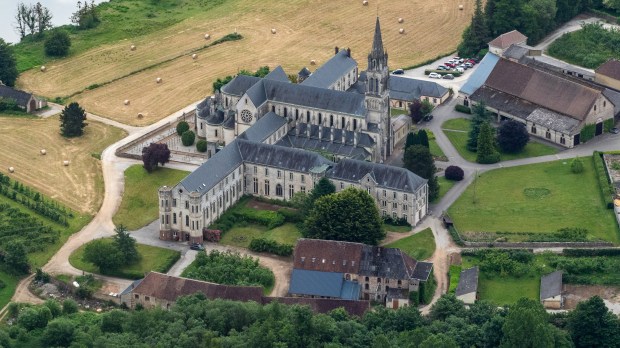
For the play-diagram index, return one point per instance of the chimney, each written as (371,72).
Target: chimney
(349,52)
(336,49)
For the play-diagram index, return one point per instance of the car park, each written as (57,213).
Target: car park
(448,64)
(442,67)
(459,69)
(463,66)
(469,65)
(448,77)
(434,75)
(398,72)
(197,246)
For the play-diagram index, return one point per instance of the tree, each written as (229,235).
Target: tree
(26,20)
(86,16)
(126,244)
(423,136)
(446,306)
(526,326)
(418,159)
(480,115)
(454,173)
(576,166)
(349,215)
(412,139)
(415,111)
(43,18)
(104,255)
(506,16)
(59,333)
(201,145)
(426,107)
(512,136)
(591,324)
(476,35)
(57,43)
(15,258)
(72,120)
(486,153)
(438,341)
(323,188)
(153,154)
(8,66)
(182,127)
(69,306)
(34,318)
(188,138)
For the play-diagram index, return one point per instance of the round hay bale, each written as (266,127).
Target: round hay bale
(365,2)
(43,68)
(133,47)
(126,102)
(313,62)
(11,170)
(194,56)
(400,20)
(65,163)
(273,30)
(43,152)
(140,115)
(207,36)
(158,80)
(461,7)
(401,30)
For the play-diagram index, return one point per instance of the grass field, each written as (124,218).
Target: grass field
(430,29)
(537,198)
(457,132)
(241,236)
(152,259)
(419,246)
(139,205)
(79,185)
(10,283)
(444,186)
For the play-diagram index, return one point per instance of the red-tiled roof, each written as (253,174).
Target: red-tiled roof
(505,40)
(328,256)
(610,68)
(165,287)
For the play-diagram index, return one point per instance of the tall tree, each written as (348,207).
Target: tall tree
(43,18)
(506,16)
(126,244)
(412,139)
(415,111)
(20,23)
(423,136)
(349,215)
(512,136)
(15,258)
(104,255)
(323,187)
(153,154)
(486,153)
(476,35)
(418,159)
(72,120)
(591,324)
(526,326)
(480,115)
(538,18)
(8,66)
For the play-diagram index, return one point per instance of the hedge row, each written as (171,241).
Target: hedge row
(591,252)
(462,108)
(270,246)
(444,72)
(456,237)
(607,189)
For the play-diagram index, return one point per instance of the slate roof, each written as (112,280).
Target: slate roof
(468,281)
(551,285)
(304,282)
(480,75)
(422,270)
(304,72)
(210,173)
(395,293)
(610,68)
(239,85)
(229,123)
(539,87)
(330,72)
(614,98)
(384,175)
(20,97)
(505,40)
(323,305)
(278,74)
(263,128)
(516,52)
(279,156)
(348,150)
(165,287)
(386,263)
(131,287)
(327,256)
(554,121)
(504,102)
(403,88)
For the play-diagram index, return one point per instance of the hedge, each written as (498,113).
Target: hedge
(444,72)
(456,237)
(270,246)
(268,218)
(462,108)
(607,189)
(591,252)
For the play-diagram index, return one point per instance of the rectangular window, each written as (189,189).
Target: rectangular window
(266,171)
(384,203)
(255,170)
(341,185)
(291,191)
(405,207)
(394,195)
(303,178)
(302,189)
(384,193)
(405,196)
(146,298)
(167,219)
(394,205)
(290,176)
(162,219)
(186,204)
(279,174)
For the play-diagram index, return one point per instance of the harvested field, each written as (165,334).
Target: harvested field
(306,30)
(573,294)
(78,185)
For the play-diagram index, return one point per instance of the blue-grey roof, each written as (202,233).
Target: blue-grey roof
(330,72)
(484,69)
(264,127)
(403,88)
(329,284)
(422,270)
(239,85)
(279,156)
(304,72)
(468,281)
(551,285)
(278,74)
(387,176)
(214,169)
(20,97)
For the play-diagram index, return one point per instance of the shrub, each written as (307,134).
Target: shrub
(69,306)
(576,166)
(462,108)
(454,173)
(201,146)
(591,252)
(573,234)
(8,104)
(182,127)
(41,276)
(57,43)
(188,138)
(270,246)
(512,136)
(607,189)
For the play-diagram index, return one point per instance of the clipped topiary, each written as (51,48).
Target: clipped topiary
(188,138)
(201,146)
(182,127)
(454,173)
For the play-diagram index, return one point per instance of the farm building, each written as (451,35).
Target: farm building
(467,289)
(551,290)
(403,91)
(24,100)
(608,74)
(503,42)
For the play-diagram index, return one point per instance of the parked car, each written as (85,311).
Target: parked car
(448,77)
(398,72)
(434,75)
(614,130)
(448,64)
(442,67)
(471,61)
(456,58)
(459,69)
(428,117)
(197,246)
(463,66)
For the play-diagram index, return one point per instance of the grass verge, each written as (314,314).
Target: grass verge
(419,246)
(444,186)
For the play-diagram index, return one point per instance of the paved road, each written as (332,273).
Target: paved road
(570,26)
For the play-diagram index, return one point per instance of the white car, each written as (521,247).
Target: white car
(434,75)
(459,69)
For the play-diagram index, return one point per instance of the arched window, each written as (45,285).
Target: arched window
(266,187)
(273,108)
(320,118)
(174,218)
(279,190)
(285,111)
(187,220)
(331,120)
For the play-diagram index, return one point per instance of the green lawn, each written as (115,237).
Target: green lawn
(152,259)
(454,275)
(419,246)
(537,198)
(394,112)
(444,186)
(397,229)
(457,132)
(241,236)
(139,206)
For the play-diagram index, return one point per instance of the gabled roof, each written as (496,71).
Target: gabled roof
(551,285)
(403,88)
(481,74)
(389,263)
(278,74)
(328,284)
(165,287)
(505,40)
(330,72)
(239,85)
(20,97)
(327,256)
(263,128)
(554,121)
(610,68)
(279,156)
(386,176)
(468,281)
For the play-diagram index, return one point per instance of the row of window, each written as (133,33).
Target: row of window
(384,204)
(279,190)
(279,174)
(333,121)
(548,134)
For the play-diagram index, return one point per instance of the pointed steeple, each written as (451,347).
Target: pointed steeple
(377,43)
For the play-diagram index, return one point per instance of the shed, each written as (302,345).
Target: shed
(504,41)
(551,290)
(26,101)
(467,289)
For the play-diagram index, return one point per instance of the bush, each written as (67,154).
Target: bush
(401,221)
(188,138)
(201,146)
(8,104)
(57,43)
(454,173)
(576,166)
(591,252)
(462,108)
(607,189)
(270,246)
(444,72)
(182,127)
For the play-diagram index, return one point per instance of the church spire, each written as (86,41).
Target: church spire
(377,43)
